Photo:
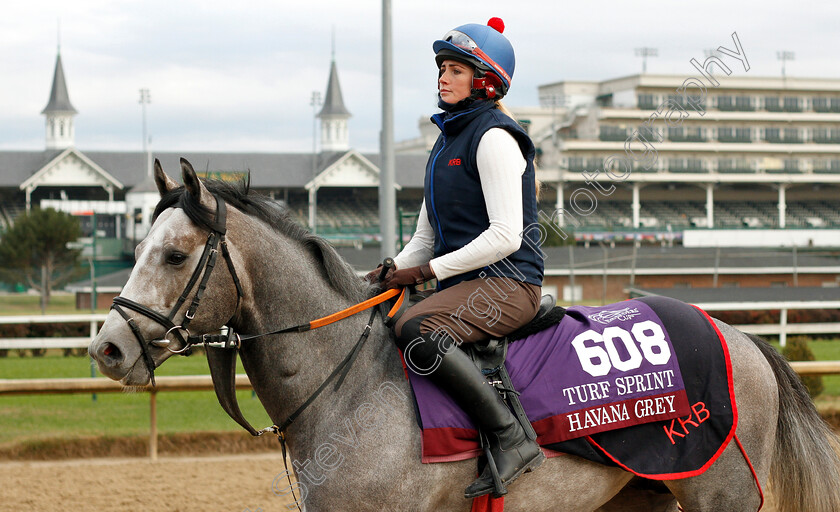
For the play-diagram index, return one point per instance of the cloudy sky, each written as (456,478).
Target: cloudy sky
(227,77)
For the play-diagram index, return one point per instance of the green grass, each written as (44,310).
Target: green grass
(51,417)
(25,304)
(47,417)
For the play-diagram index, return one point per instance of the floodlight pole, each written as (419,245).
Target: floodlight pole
(785,56)
(145,99)
(644,53)
(387,193)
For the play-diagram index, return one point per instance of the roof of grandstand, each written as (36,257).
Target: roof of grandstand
(268,170)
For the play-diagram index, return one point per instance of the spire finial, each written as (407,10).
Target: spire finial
(58,35)
(333,42)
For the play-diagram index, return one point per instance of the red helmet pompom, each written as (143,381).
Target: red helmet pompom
(497,24)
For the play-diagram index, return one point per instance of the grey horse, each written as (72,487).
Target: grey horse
(358,448)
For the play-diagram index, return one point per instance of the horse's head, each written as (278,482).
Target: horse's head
(183,257)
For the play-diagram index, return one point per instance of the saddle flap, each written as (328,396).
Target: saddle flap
(487,355)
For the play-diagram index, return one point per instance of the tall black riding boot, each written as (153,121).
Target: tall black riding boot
(454,372)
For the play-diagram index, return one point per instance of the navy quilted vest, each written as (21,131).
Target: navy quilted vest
(454,200)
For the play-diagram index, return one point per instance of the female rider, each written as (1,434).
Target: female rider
(479,199)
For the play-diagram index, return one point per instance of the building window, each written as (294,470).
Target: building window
(613,133)
(835,104)
(679,99)
(772,104)
(821,104)
(792,104)
(827,165)
(577,164)
(725,103)
(730,134)
(826,135)
(792,136)
(686,165)
(791,165)
(744,104)
(676,134)
(731,103)
(682,101)
(647,102)
(743,135)
(737,165)
(686,134)
(772,135)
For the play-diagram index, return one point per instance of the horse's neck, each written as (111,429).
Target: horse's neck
(374,382)
(289,289)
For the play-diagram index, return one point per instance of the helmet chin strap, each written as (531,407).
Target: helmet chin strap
(482,90)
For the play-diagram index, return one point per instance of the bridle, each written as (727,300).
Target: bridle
(205,266)
(222,348)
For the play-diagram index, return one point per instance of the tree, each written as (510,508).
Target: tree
(797,349)
(34,251)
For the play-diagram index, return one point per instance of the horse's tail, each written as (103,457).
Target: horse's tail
(806,461)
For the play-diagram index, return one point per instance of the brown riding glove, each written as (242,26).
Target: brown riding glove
(373,275)
(408,276)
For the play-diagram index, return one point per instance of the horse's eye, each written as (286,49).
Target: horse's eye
(176,258)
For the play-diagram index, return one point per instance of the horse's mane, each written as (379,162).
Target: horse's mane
(338,273)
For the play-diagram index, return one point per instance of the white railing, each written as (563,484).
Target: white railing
(9,387)
(94,319)
(783,328)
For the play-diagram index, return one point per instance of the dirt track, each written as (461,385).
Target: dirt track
(172,484)
(236,483)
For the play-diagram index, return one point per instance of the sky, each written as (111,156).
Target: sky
(238,77)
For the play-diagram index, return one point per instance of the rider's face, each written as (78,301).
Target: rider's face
(455,81)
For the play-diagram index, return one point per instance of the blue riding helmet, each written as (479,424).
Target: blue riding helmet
(482,46)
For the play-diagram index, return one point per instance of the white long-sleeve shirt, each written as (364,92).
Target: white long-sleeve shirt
(500,167)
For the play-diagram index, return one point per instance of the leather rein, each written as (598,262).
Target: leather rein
(222,348)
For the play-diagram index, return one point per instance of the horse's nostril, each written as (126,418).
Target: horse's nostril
(111,351)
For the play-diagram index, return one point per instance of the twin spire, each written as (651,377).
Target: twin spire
(59,112)
(334,115)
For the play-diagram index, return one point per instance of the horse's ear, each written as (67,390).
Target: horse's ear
(162,180)
(194,186)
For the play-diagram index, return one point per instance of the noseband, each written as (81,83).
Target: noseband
(205,266)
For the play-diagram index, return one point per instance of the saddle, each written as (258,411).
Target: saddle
(489,355)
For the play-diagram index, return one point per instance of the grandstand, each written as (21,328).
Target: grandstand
(754,154)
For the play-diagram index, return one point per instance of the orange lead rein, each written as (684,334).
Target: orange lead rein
(352,310)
